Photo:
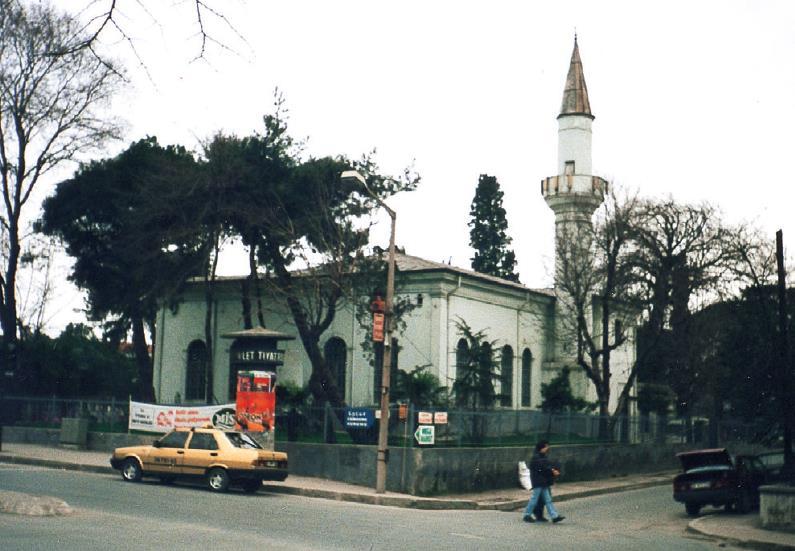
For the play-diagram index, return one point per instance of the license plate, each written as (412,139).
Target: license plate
(699,485)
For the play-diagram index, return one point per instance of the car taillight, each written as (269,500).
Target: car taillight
(722,482)
(272,463)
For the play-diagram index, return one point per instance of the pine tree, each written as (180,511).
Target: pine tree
(487,234)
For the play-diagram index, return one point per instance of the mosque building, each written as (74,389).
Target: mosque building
(524,323)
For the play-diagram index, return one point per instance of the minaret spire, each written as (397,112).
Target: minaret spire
(575,93)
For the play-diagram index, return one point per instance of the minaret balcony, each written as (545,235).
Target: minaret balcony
(574,184)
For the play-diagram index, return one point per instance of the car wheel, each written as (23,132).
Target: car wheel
(251,486)
(692,509)
(168,479)
(744,502)
(218,480)
(131,470)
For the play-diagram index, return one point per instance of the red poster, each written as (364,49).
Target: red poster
(255,405)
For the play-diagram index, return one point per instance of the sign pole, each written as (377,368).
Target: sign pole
(383,427)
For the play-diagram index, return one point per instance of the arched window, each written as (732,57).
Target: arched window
(378,369)
(336,354)
(196,371)
(506,376)
(461,353)
(527,370)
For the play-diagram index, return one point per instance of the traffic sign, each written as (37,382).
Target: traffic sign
(425,435)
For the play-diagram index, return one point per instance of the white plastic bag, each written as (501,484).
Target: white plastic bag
(524,476)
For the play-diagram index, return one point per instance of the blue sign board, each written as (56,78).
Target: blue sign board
(359,418)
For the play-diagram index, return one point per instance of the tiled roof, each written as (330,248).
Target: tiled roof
(409,263)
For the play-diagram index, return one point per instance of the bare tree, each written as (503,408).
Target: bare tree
(686,258)
(112,21)
(49,112)
(594,290)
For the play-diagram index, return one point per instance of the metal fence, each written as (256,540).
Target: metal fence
(503,427)
(513,428)
(103,415)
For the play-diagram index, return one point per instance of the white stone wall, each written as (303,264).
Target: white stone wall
(574,143)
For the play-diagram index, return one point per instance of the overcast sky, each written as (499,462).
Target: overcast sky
(692,99)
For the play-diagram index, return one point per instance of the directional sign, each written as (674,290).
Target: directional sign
(425,435)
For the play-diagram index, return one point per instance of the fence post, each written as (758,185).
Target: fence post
(112,412)
(499,428)
(568,428)
(325,423)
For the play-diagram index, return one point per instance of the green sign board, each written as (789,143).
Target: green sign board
(425,435)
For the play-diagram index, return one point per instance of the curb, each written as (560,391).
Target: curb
(431,504)
(53,464)
(694,527)
(370,499)
(514,505)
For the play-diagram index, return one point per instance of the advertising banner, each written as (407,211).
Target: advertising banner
(159,418)
(255,403)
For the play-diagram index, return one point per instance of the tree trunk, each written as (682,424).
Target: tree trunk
(8,304)
(321,382)
(245,300)
(254,283)
(142,360)
(209,318)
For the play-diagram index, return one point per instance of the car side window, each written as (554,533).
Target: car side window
(174,440)
(203,441)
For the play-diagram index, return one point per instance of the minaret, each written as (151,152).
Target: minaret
(574,194)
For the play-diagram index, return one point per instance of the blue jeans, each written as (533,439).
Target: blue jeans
(541,492)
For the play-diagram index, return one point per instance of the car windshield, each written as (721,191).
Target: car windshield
(240,440)
(773,459)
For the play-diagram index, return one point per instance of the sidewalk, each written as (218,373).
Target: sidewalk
(741,530)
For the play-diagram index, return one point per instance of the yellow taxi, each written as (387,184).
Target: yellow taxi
(221,458)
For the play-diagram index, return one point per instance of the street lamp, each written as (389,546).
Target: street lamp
(383,427)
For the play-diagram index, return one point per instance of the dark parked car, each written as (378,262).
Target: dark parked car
(712,477)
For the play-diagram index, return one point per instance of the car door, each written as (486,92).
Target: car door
(201,452)
(167,456)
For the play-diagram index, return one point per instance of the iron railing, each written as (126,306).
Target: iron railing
(502,427)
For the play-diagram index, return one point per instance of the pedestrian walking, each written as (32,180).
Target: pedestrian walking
(542,475)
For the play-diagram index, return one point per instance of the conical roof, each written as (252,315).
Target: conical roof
(575,94)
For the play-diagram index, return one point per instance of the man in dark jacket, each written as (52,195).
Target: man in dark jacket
(542,475)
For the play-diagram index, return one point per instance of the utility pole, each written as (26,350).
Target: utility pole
(785,368)
(383,428)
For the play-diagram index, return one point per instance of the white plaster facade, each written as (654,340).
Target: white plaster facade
(508,313)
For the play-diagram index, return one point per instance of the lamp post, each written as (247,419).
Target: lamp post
(383,427)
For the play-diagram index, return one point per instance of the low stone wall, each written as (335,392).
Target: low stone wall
(777,507)
(428,471)
(97,441)
(436,471)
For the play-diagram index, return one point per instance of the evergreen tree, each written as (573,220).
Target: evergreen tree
(558,397)
(487,232)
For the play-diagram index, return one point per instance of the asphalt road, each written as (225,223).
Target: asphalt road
(111,514)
